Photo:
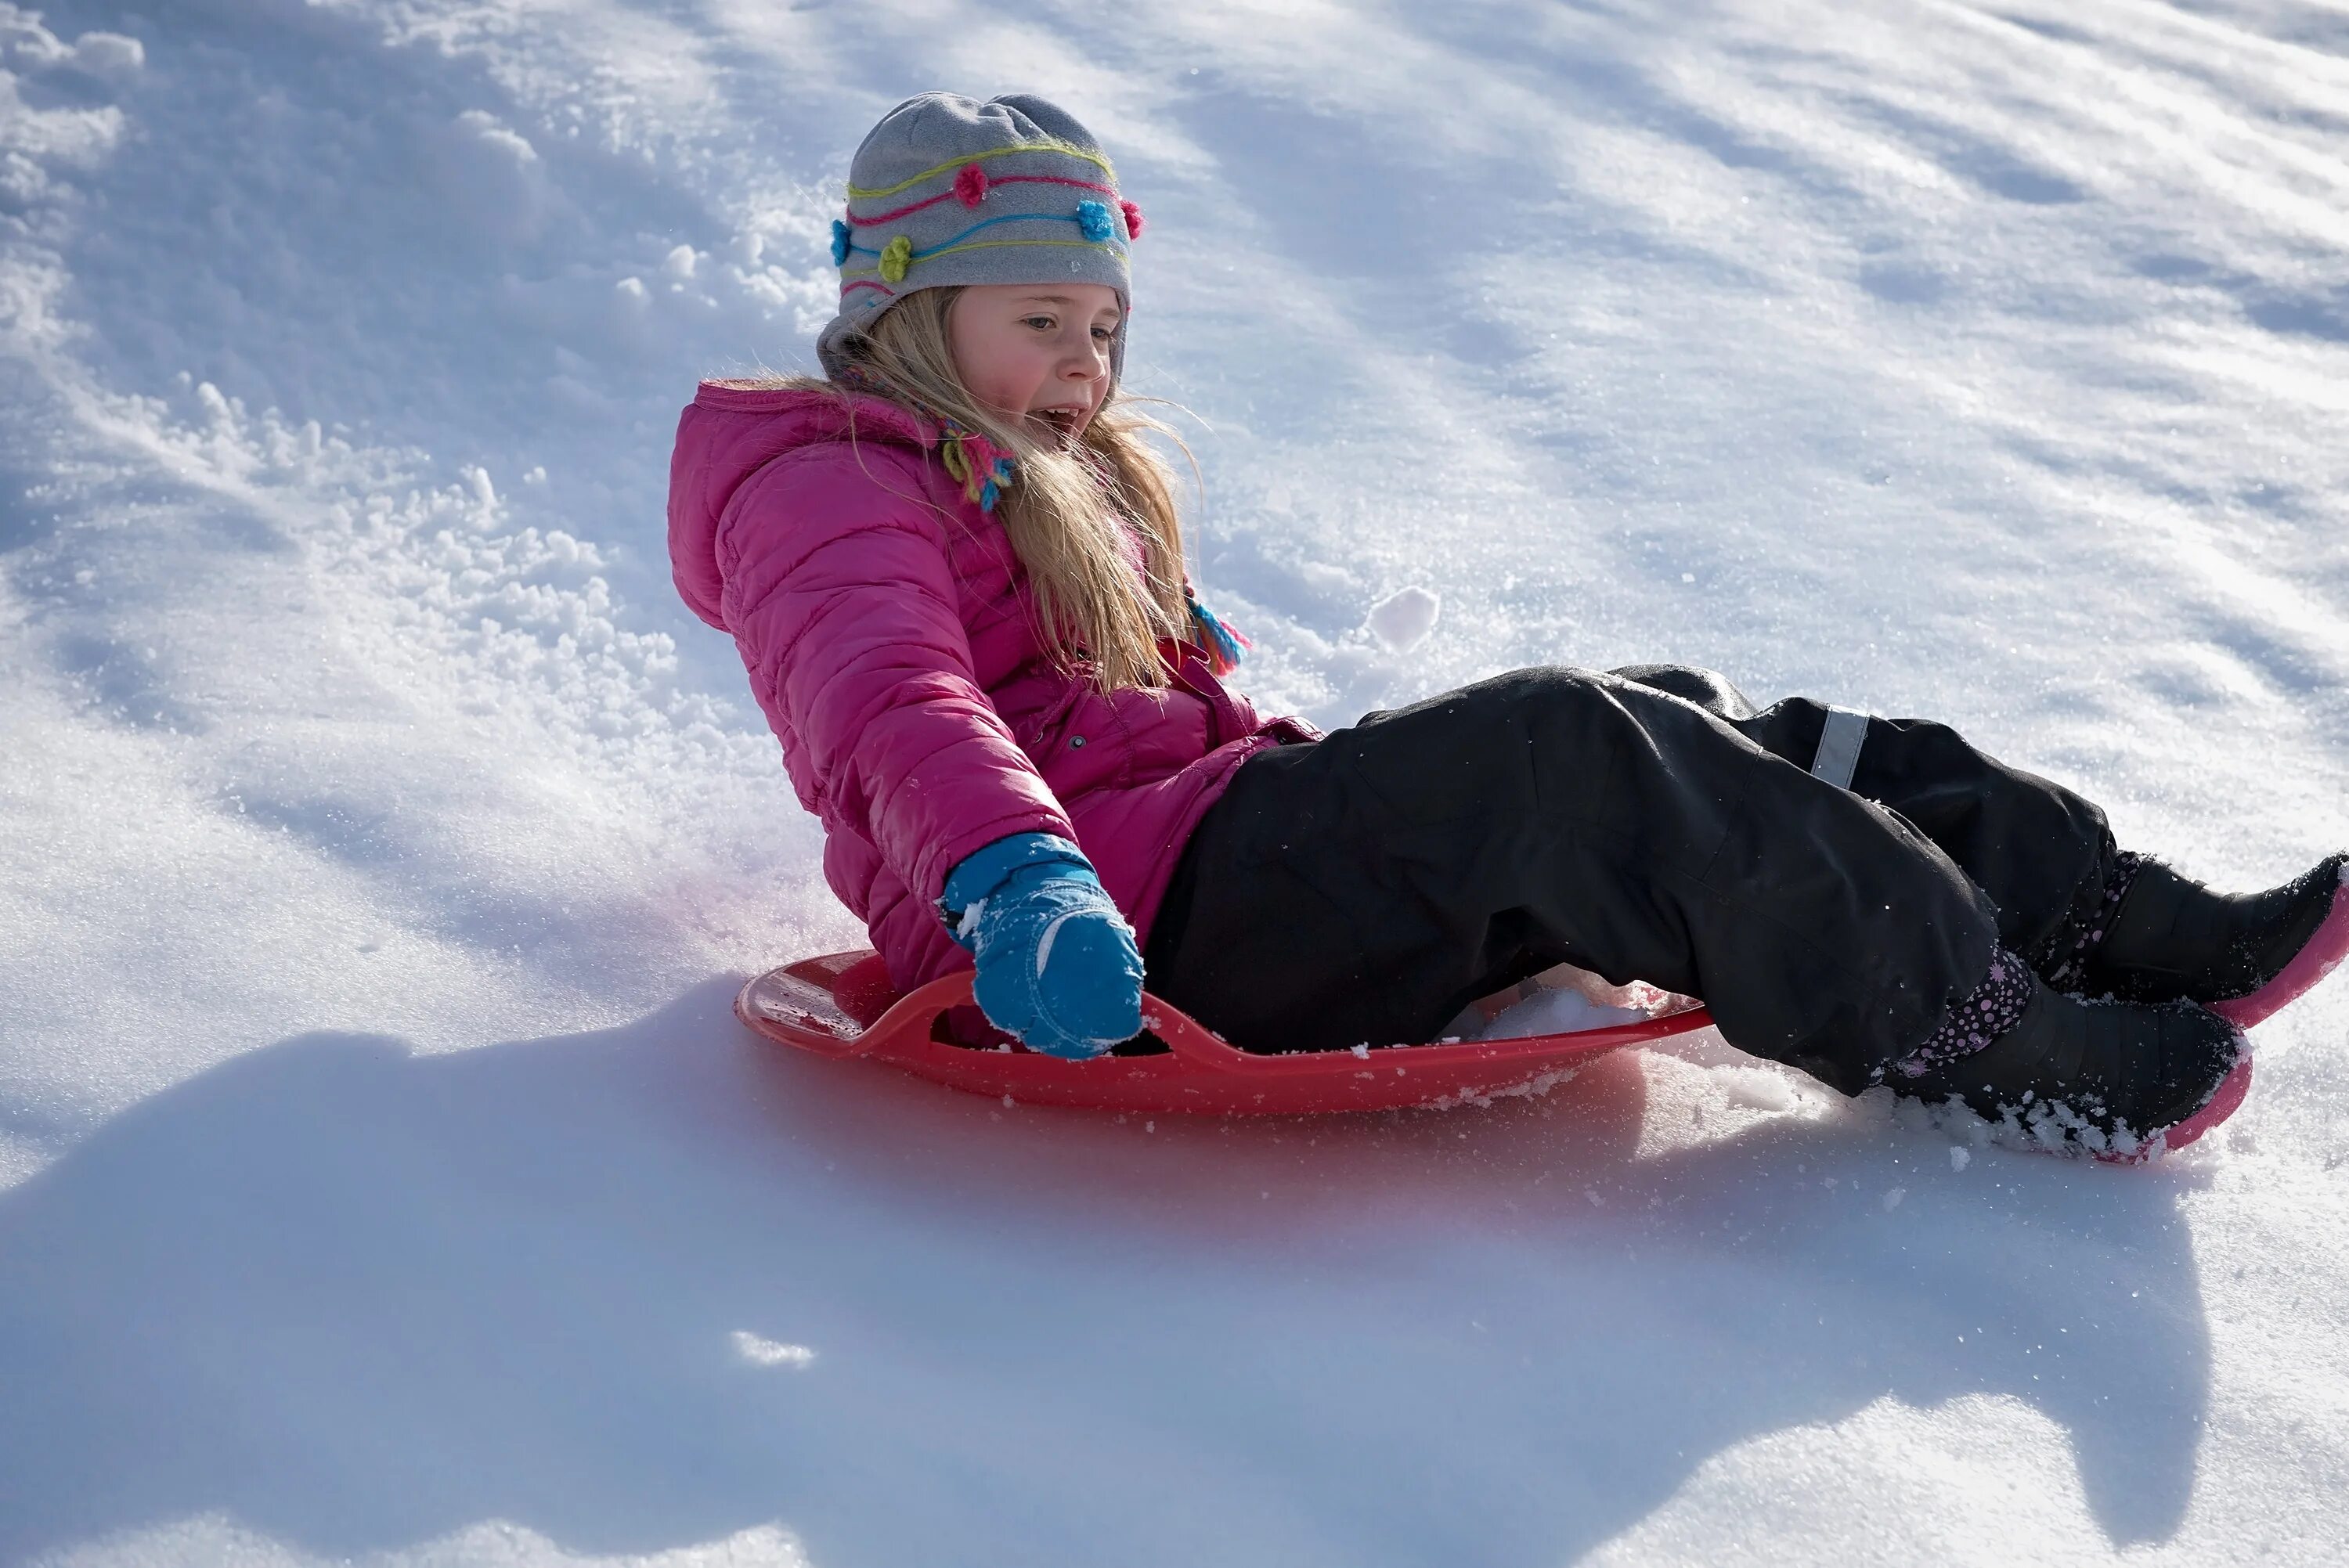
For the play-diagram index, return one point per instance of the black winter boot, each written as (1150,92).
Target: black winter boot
(2243,954)
(2119,1081)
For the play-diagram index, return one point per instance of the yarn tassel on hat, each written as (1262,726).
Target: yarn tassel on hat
(971,460)
(1223,646)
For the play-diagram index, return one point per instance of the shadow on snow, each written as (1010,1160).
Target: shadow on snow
(358,1299)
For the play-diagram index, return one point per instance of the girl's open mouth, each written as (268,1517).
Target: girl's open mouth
(1064,423)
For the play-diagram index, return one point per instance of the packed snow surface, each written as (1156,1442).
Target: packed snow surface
(382,1178)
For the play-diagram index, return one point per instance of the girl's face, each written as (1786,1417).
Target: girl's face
(1035,352)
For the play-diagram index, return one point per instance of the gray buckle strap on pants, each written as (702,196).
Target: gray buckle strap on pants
(1366,887)
(1839,742)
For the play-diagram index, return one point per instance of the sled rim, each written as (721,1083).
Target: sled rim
(839,1004)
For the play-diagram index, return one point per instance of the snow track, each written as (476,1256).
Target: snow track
(380,1176)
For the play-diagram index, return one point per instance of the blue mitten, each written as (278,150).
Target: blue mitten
(1057,964)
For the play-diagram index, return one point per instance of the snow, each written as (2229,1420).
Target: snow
(1556,1011)
(1403,618)
(381,1177)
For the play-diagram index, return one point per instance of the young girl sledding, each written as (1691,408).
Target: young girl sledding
(955,573)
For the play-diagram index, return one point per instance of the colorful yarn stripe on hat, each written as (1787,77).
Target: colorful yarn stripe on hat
(1093,218)
(971,185)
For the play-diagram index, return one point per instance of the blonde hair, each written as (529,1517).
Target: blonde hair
(1070,510)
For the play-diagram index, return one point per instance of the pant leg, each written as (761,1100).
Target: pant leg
(1368,886)
(2042,854)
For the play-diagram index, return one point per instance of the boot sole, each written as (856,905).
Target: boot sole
(2318,957)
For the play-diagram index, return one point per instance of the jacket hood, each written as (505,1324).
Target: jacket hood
(729,433)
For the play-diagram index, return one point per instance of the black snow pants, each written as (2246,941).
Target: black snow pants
(1648,824)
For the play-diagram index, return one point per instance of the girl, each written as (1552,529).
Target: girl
(955,572)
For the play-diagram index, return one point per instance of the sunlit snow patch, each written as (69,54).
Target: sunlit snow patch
(1757,1088)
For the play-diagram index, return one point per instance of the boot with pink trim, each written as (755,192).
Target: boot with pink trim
(2243,955)
(2122,1081)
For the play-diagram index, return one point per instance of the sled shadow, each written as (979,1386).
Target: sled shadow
(654,1286)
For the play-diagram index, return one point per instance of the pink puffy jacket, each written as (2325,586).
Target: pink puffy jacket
(886,625)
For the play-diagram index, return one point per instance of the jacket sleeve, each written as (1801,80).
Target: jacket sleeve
(841,597)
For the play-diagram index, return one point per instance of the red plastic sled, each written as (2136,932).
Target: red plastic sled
(841,1005)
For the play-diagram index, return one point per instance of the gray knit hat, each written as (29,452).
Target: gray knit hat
(946,189)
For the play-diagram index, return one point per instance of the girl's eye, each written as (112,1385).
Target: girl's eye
(1041,323)
(1105,333)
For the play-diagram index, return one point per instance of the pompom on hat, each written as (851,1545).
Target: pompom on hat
(948,190)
